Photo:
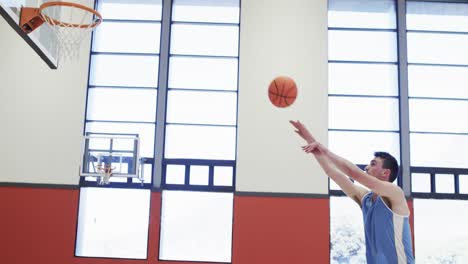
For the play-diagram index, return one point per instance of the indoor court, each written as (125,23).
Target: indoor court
(163,131)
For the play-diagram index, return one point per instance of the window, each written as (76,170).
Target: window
(437,67)
(200,131)
(122,100)
(363,105)
(171,79)
(430,243)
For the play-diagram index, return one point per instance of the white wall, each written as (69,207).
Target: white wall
(41,113)
(281,38)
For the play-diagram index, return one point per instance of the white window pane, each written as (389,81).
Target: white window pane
(204,40)
(113,223)
(362,46)
(362,13)
(203,73)
(196,107)
(226,11)
(437,224)
(127,37)
(124,70)
(334,186)
(146,171)
(199,175)
(131,9)
(196,226)
(223,176)
(362,113)
(420,182)
(200,142)
(363,79)
(175,174)
(145,131)
(438,81)
(432,150)
(438,115)
(463,184)
(437,48)
(437,16)
(444,183)
(347,241)
(359,147)
(122,104)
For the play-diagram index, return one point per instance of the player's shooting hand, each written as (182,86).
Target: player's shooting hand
(313,147)
(302,131)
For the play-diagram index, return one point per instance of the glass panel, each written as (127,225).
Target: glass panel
(204,40)
(199,175)
(195,107)
(420,182)
(122,105)
(437,16)
(175,174)
(431,239)
(444,183)
(361,113)
(438,115)
(124,70)
(347,241)
(463,184)
(223,176)
(445,150)
(438,81)
(359,147)
(147,172)
(363,79)
(145,131)
(127,37)
(207,236)
(226,11)
(116,228)
(334,186)
(203,73)
(131,9)
(200,142)
(437,48)
(362,46)
(362,13)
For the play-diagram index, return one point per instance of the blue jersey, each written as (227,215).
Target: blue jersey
(388,235)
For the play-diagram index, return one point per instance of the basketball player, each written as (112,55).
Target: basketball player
(383,204)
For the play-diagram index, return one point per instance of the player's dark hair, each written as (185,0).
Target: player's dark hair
(389,162)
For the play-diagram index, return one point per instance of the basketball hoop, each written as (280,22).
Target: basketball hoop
(70,22)
(105,172)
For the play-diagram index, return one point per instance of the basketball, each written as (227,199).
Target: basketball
(282,91)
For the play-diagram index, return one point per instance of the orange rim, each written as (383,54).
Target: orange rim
(63,24)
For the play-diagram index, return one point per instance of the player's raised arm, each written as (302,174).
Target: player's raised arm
(349,188)
(378,183)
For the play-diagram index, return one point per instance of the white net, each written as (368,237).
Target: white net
(106,172)
(71,24)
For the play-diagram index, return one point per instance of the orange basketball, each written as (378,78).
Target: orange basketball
(282,91)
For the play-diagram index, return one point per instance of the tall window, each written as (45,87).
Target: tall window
(363,104)
(437,36)
(201,126)
(166,71)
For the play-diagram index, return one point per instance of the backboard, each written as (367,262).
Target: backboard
(116,152)
(42,40)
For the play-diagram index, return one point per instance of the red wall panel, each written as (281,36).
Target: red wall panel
(37,225)
(274,230)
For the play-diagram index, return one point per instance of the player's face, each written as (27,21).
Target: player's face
(375,169)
